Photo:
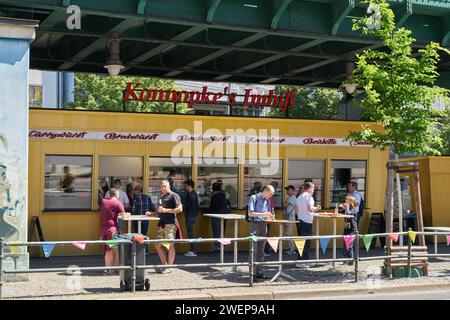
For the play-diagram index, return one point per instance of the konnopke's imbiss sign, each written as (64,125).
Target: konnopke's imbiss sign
(168,137)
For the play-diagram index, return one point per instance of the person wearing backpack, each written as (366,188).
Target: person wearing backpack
(258,211)
(352,188)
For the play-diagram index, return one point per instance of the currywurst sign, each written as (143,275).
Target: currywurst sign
(136,92)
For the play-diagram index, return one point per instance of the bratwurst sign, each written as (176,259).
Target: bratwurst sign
(136,92)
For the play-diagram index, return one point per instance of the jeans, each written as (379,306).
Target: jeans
(267,247)
(215,224)
(144,226)
(258,229)
(190,222)
(305,229)
(351,227)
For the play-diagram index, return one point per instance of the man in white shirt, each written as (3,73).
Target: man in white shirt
(304,210)
(352,188)
(123,198)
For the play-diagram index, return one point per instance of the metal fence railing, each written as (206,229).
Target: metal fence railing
(251,263)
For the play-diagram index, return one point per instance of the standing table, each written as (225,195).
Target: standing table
(280,249)
(138,218)
(223,217)
(328,215)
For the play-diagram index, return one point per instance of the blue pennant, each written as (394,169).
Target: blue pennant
(324,244)
(48,248)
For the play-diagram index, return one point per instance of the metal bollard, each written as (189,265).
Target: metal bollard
(133,265)
(252,260)
(356,257)
(1,266)
(409,255)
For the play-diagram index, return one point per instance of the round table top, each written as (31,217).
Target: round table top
(139,218)
(331,215)
(226,216)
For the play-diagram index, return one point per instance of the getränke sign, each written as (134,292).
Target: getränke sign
(135,92)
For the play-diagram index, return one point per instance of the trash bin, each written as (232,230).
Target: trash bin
(125,256)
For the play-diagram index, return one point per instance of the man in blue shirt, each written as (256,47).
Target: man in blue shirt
(142,204)
(260,210)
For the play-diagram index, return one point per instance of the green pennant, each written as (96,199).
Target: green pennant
(253,238)
(112,243)
(367,238)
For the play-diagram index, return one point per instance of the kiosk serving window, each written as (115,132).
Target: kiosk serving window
(342,172)
(68,183)
(126,169)
(301,171)
(217,170)
(258,175)
(160,169)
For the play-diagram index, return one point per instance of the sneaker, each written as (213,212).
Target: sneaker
(166,270)
(158,270)
(190,254)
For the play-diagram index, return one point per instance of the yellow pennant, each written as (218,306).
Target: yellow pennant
(412,235)
(166,245)
(273,243)
(300,244)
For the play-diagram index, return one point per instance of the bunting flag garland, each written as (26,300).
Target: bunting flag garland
(48,248)
(300,244)
(448,240)
(112,243)
(367,239)
(324,244)
(348,239)
(394,237)
(412,235)
(224,241)
(166,245)
(273,242)
(80,245)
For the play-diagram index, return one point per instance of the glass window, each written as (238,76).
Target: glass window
(126,169)
(35,93)
(176,170)
(217,170)
(342,172)
(68,182)
(301,171)
(257,175)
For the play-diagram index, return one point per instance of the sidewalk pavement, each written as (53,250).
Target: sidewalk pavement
(220,283)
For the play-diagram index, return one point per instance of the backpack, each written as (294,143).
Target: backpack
(362,205)
(247,217)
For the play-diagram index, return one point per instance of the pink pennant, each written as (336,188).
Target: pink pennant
(448,240)
(225,241)
(273,242)
(79,245)
(394,237)
(349,240)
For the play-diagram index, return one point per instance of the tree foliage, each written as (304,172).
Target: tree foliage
(311,103)
(399,88)
(101,92)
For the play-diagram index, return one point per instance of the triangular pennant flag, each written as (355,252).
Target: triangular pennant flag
(394,237)
(166,245)
(273,243)
(139,239)
(324,244)
(80,245)
(48,248)
(300,244)
(412,235)
(225,241)
(13,249)
(348,239)
(448,240)
(111,243)
(367,238)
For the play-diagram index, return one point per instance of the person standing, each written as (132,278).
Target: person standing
(289,214)
(218,204)
(110,211)
(352,188)
(304,210)
(351,226)
(268,249)
(190,208)
(171,179)
(142,204)
(170,205)
(258,211)
(123,198)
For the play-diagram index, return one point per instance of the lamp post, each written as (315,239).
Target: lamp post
(350,88)
(113,64)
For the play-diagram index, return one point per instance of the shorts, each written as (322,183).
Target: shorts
(169,231)
(108,234)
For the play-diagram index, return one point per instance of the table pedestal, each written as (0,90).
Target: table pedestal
(280,256)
